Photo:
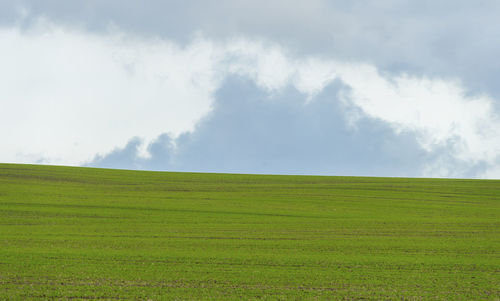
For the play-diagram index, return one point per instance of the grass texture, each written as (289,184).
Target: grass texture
(86,233)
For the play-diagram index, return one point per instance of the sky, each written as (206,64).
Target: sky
(326,87)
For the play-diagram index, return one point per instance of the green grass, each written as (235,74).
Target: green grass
(84,233)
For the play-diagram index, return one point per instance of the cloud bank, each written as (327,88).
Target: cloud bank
(77,96)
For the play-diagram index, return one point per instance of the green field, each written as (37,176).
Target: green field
(85,233)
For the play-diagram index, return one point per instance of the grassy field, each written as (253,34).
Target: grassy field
(84,233)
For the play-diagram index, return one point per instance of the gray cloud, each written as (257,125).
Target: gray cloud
(436,38)
(250,131)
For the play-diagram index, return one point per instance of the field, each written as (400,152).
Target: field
(85,233)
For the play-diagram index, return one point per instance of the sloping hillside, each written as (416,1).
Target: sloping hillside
(69,232)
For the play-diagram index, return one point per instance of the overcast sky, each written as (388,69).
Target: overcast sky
(377,88)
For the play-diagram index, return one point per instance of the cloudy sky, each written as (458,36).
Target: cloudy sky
(369,87)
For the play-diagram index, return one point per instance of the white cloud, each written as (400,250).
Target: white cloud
(67,95)
(439,110)
(491,173)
